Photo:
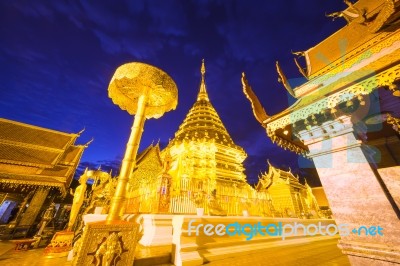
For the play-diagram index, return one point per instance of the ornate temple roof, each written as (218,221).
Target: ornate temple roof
(29,145)
(152,150)
(276,175)
(148,166)
(344,68)
(203,121)
(365,18)
(33,135)
(34,156)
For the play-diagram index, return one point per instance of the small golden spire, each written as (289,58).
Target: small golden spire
(80,132)
(203,92)
(203,69)
(87,144)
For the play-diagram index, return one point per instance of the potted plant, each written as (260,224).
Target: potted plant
(199,200)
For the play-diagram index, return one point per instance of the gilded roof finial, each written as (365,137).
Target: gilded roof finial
(80,132)
(203,92)
(203,69)
(87,144)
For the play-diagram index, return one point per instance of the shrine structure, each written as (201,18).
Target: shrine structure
(203,168)
(290,197)
(35,164)
(346,119)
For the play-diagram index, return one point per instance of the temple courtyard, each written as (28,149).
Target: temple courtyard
(194,200)
(318,251)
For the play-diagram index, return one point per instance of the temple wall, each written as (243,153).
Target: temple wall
(282,199)
(391,177)
(233,200)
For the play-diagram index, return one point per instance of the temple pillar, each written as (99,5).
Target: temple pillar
(3,196)
(34,207)
(357,195)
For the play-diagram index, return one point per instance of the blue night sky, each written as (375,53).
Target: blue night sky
(57,58)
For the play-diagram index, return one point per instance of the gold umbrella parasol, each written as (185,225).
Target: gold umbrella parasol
(146,92)
(132,80)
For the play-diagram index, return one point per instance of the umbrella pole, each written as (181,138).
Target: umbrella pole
(128,163)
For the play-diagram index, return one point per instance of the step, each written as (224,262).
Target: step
(151,256)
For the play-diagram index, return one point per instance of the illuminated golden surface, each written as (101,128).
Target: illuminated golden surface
(103,189)
(132,80)
(32,157)
(305,253)
(206,170)
(359,37)
(60,244)
(105,242)
(289,197)
(147,92)
(204,158)
(79,196)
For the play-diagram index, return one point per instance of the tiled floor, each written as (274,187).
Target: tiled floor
(305,254)
(33,257)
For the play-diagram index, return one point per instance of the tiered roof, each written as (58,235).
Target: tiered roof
(34,156)
(276,175)
(203,121)
(344,68)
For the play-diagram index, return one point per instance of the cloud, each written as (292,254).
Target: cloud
(141,29)
(109,44)
(168,18)
(112,166)
(191,49)
(35,10)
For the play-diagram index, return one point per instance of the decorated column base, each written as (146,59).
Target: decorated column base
(107,243)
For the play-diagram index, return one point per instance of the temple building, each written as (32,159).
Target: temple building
(205,158)
(322,201)
(202,167)
(290,198)
(36,165)
(145,185)
(346,118)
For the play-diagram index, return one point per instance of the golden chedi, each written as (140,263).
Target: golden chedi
(204,159)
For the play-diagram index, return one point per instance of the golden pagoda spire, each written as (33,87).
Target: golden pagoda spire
(203,92)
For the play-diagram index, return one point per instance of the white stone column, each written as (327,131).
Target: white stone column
(355,191)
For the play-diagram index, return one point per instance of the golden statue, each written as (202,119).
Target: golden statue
(47,217)
(101,194)
(165,186)
(213,205)
(79,197)
(108,251)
